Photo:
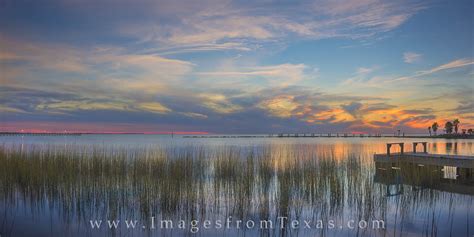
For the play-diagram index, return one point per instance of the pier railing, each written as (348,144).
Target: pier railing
(424,158)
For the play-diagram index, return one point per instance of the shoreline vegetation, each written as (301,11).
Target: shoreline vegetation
(194,182)
(451,130)
(191,183)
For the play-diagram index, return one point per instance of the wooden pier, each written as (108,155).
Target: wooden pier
(427,159)
(424,158)
(449,173)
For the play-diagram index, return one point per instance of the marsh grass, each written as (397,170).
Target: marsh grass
(299,182)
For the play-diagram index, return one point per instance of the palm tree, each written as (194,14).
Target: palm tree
(470,131)
(448,126)
(456,125)
(429,130)
(435,127)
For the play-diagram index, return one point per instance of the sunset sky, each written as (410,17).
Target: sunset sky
(235,66)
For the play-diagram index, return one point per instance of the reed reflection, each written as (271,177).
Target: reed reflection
(301,182)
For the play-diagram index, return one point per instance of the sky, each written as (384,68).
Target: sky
(218,66)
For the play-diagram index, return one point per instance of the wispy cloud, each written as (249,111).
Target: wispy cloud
(219,103)
(360,76)
(6,109)
(451,65)
(231,25)
(53,57)
(75,105)
(274,75)
(363,76)
(154,107)
(195,115)
(365,70)
(369,16)
(411,57)
(281,106)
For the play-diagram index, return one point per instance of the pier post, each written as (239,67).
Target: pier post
(425,146)
(388,149)
(402,146)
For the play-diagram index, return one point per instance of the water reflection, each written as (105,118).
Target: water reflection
(56,190)
(417,176)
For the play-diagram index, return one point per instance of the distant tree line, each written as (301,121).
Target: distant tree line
(449,128)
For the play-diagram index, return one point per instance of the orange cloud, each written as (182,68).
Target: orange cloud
(335,115)
(281,106)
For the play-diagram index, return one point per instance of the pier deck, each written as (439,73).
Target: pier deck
(427,159)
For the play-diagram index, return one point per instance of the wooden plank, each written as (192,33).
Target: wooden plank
(428,159)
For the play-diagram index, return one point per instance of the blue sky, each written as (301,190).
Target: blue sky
(235,66)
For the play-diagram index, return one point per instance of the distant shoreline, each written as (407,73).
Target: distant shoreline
(331,136)
(300,135)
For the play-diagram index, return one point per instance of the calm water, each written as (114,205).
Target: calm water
(54,186)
